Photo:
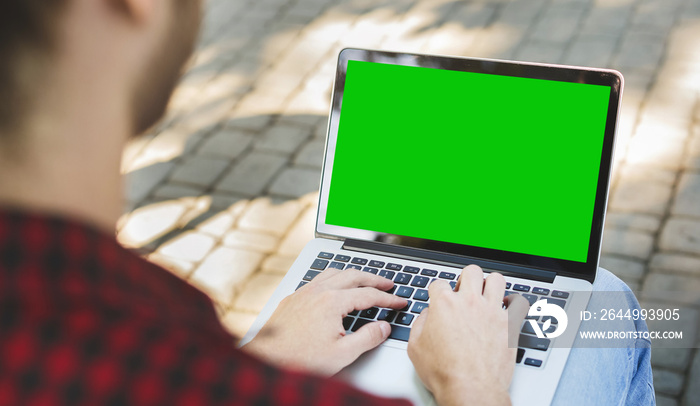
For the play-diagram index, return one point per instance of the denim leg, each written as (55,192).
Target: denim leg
(609,376)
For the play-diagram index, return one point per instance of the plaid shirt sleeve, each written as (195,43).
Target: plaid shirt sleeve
(85,322)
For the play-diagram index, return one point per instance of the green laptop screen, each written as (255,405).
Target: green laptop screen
(484,160)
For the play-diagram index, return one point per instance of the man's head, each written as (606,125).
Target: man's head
(149,40)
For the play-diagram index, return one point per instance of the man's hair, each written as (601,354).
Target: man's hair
(27,33)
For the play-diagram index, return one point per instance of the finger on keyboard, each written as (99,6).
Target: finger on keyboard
(364,298)
(352,278)
(472,280)
(439,287)
(494,287)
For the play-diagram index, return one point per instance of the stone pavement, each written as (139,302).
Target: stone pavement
(223,192)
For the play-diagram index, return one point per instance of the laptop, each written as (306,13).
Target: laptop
(433,163)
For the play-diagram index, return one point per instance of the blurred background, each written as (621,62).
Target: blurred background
(223,192)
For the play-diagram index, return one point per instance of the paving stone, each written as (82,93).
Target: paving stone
(238,323)
(257,292)
(300,234)
(285,34)
(668,382)
(691,9)
(282,139)
(673,358)
(475,15)
(558,23)
(140,183)
(223,85)
(668,121)
(190,246)
(641,196)
(633,244)
(663,400)
(264,216)
(370,30)
(223,200)
(279,84)
(251,240)
(228,142)
(498,41)
(170,144)
(683,43)
(311,154)
(521,13)
(199,170)
(676,263)
(278,264)
(661,151)
(198,212)
(681,234)
(321,132)
(442,42)
(607,20)
(672,101)
(259,102)
(692,393)
(648,173)
(639,50)
(176,191)
(638,84)
(684,288)
(632,221)
(622,267)
(296,182)
(218,224)
(222,274)
(178,267)
(307,121)
(678,72)
(147,223)
(310,200)
(654,15)
(304,55)
(208,115)
(309,102)
(687,200)
(634,284)
(132,149)
(250,119)
(591,50)
(251,175)
(542,52)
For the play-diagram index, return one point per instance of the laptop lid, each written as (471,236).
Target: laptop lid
(503,161)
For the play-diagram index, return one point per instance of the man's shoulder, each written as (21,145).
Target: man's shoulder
(62,264)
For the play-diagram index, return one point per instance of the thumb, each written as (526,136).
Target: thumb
(417,328)
(367,337)
(518,307)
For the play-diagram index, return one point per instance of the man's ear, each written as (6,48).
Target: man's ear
(138,10)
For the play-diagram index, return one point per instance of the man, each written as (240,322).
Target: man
(84,322)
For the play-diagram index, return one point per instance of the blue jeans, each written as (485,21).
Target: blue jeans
(609,376)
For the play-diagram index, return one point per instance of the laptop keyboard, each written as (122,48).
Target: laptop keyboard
(411,283)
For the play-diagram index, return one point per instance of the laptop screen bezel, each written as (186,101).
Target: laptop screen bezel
(604,77)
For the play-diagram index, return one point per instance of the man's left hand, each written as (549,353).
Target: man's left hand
(306,331)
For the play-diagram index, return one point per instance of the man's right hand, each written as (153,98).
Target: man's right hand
(459,346)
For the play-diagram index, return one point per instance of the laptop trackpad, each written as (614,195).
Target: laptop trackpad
(387,371)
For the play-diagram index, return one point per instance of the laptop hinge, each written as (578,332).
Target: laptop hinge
(439,258)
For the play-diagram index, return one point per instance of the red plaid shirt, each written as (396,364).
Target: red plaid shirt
(85,322)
